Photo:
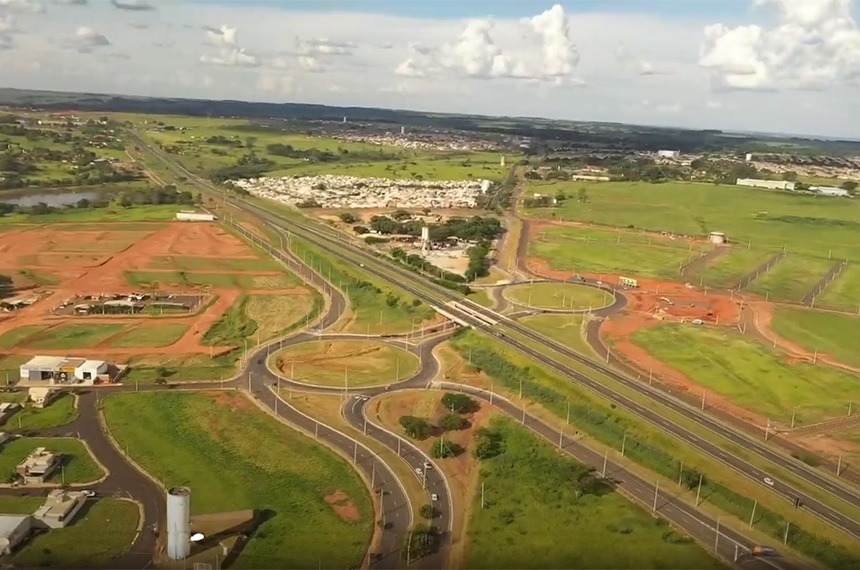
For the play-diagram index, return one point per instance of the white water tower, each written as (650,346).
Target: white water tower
(178,523)
(425,238)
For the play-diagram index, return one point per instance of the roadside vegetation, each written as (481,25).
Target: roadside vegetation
(315,511)
(78,466)
(59,412)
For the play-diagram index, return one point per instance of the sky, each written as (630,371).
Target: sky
(782,66)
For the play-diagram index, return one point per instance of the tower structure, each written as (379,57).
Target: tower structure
(178,523)
(502,161)
(425,238)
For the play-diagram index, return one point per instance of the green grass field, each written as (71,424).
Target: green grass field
(578,250)
(73,336)
(728,270)
(558,296)
(533,518)
(354,363)
(751,374)
(276,315)
(59,412)
(566,329)
(19,335)
(114,521)
(150,335)
(20,505)
(227,264)
(236,457)
(791,278)
(217,280)
(834,334)
(147,368)
(843,292)
(78,465)
(112,214)
(804,224)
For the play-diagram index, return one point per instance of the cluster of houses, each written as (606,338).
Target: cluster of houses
(332,191)
(425,142)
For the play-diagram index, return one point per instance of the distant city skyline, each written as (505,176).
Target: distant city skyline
(773,66)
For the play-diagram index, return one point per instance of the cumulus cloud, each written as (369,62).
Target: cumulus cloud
(133,5)
(7,27)
(228,53)
(87,39)
(71,2)
(549,55)
(325,46)
(816,44)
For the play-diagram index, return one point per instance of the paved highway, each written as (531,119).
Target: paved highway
(405,279)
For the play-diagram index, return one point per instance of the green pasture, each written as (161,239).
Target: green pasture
(148,368)
(59,412)
(791,278)
(237,457)
(843,292)
(566,249)
(113,521)
(770,220)
(564,329)
(568,296)
(350,363)
(162,212)
(154,335)
(19,335)
(533,517)
(750,374)
(12,505)
(829,333)
(78,464)
(726,271)
(68,336)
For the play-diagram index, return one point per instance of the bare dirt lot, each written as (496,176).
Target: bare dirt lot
(74,260)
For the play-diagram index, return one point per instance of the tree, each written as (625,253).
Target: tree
(582,195)
(790,176)
(459,403)
(427,511)
(452,422)
(360,230)
(445,449)
(849,185)
(348,218)
(416,428)
(488,444)
(690,478)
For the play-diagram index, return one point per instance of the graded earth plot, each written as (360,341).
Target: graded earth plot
(112,304)
(315,512)
(586,250)
(751,380)
(769,220)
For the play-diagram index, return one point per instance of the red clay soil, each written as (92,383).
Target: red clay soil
(343,506)
(103,271)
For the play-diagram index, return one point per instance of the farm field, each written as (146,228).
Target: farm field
(726,271)
(236,457)
(769,220)
(565,329)
(74,547)
(829,333)
(353,363)
(117,214)
(558,296)
(78,464)
(791,278)
(59,412)
(750,374)
(573,249)
(531,510)
(222,275)
(844,291)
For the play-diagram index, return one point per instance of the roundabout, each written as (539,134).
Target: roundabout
(341,363)
(555,296)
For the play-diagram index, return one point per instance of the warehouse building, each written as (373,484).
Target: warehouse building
(830,191)
(669,153)
(38,466)
(769,184)
(62,370)
(189,216)
(14,529)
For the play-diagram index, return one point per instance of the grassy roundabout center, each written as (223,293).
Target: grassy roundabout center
(357,363)
(569,296)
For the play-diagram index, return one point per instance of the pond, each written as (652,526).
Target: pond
(53,199)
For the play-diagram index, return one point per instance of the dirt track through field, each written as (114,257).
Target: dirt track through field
(700,263)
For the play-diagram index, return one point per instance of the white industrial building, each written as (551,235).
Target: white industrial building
(669,153)
(830,191)
(190,216)
(62,370)
(14,529)
(769,184)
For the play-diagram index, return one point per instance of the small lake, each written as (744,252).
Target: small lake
(53,199)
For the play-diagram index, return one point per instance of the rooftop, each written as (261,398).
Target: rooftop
(58,503)
(39,461)
(8,523)
(52,362)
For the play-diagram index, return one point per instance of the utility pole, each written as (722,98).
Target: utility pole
(699,489)
(656,490)
(277,393)
(355,452)
(623,444)
(568,412)
(703,400)
(752,516)
(316,430)
(793,413)
(717,537)
(785,536)
(560,436)
(605,456)
(482,494)
(838,465)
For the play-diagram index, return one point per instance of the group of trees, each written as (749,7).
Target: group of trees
(479,262)
(457,406)
(247,166)
(138,197)
(468,229)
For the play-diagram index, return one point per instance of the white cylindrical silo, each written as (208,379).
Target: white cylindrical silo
(178,523)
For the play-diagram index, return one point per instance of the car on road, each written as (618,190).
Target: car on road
(434,497)
(768,481)
(90,493)
(418,470)
(427,465)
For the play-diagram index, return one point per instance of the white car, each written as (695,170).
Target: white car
(434,497)
(418,470)
(89,493)
(768,481)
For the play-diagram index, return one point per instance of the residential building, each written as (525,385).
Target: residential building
(60,508)
(41,396)
(669,153)
(769,184)
(14,529)
(38,466)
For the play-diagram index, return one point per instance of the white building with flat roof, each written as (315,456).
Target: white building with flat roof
(38,466)
(61,370)
(769,184)
(14,529)
(830,191)
(60,508)
(669,153)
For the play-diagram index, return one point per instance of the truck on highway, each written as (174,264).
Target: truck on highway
(762,551)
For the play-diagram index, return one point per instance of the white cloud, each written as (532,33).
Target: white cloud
(668,108)
(87,39)
(325,46)
(22,6)
(133,5)
(816,44)
(229,53)
(408,68)
(560,55)
(71,2)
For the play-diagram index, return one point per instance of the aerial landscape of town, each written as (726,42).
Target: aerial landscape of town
(286,335)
